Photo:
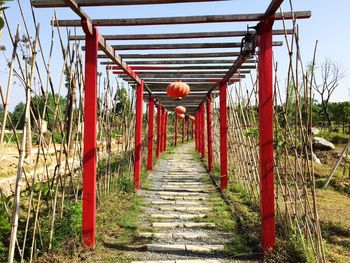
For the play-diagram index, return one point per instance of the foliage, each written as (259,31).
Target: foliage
(17,116)
(122,101)
(39,104)
(5,229)
(2,8)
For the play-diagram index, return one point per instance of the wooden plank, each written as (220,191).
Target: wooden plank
(61,3)
(174,72)
(174,67)
(273,7)
(187,19)
(179,35)
(182,76)
(177,55)
(183,62)
(190,81)
(182,46)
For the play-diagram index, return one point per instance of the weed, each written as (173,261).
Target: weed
(5,229)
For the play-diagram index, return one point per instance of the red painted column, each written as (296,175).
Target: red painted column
(90,121)
(150,133)
(175,131)
(165,130)
(138,135)
(203,130)
(192,129)
(200,129)
(210,133)
(267,197)
(195,130)
(183,130)
(159,129)
(188,128)
(223,137)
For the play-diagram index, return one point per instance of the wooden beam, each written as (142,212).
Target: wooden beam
(177,55)
(107,49)
(175,67)
(192,81)
(61,3)
(182,46)
(183,62)
(188,19)
(174,72)
(180,35)
(176,76)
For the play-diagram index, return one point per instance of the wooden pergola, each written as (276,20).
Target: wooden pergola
(206,72)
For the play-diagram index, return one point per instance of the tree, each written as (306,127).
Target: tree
(331,72)
(38,106)
(17,116)
(122,101)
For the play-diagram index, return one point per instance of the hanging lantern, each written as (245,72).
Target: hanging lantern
(192,118)
(181,116)
(178,90)
(248,44)
(180,109)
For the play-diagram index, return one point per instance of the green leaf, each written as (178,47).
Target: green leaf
(1,23)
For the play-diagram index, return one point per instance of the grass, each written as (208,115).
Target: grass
(334,137)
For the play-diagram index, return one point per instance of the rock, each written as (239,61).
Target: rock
(314,131)
(315,159)
(322,144)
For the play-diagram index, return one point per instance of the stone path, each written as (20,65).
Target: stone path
(175,202)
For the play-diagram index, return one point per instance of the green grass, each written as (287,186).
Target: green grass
(334,137)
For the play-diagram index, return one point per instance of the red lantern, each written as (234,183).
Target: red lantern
(181,116)
(180,109)
(178,90)
(192,117)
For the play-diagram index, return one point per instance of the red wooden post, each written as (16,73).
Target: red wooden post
(267,197)
(90,121)
(188,128)
(150,133)
(165,130)
(138,135)
(210,133)
(203,130)
(175,130)
(159,129)
(223,137)
(162,131)
(200,129)
(192,130)
(183,130)
(195,130)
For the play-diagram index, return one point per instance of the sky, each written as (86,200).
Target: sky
(328,24)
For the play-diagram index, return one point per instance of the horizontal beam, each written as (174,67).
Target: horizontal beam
(61,3)
(249,66)
(177,55)
(182,46)
(187,80)
(193,81)
(187,19)
(183,62)
(176,76)
(175,71)
(180,35)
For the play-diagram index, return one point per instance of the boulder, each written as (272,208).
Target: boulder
(315,159)
(322,144)
(314,131)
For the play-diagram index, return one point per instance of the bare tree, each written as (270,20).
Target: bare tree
(332,72)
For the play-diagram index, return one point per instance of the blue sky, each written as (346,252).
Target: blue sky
(329,23)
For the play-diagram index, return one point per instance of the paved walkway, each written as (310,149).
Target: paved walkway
(176,202)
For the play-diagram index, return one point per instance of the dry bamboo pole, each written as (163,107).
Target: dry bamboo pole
(8,90)
(336,164)
(15,213)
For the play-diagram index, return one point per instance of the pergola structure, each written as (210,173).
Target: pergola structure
(206,72)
